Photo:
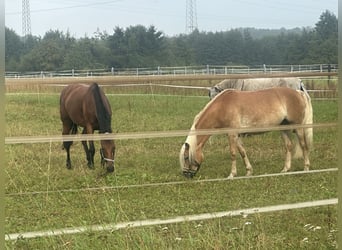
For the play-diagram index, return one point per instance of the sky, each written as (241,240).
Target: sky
(84,17)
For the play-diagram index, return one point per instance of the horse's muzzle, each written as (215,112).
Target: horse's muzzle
(110,169)
(189,174)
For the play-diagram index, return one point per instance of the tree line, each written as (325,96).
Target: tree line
(139,46)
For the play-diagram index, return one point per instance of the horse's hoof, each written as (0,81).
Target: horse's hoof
(230,177)
(68,165)
(90,165)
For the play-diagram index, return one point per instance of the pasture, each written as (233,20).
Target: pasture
(41,194)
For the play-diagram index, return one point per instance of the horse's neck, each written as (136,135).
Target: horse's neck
(208,118)
(202,139)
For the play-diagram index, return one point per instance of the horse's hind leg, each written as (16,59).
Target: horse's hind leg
(249,168)
(288,146)
(304,147)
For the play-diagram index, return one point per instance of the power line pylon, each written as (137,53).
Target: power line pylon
(26,18)
(191,16)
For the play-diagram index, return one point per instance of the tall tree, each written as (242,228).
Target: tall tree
(327,26)
(13,49)
(324,41)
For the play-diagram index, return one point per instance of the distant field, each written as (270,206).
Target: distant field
(41,167)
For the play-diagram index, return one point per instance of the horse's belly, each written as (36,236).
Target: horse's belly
(261,120)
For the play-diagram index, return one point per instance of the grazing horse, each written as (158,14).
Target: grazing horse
(245,109)
(87,106)
(251,84)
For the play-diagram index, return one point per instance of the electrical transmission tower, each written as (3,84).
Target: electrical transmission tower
(26,18)
(191,16)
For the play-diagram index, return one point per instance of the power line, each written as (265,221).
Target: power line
(65,7)
(171,183)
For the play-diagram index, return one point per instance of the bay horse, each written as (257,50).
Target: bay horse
(88,107)
(245,109)
(251,84)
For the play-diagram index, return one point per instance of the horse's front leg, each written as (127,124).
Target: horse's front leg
(67,127)
(66,146)
(232,148)
(91,154)
(89,151)
(86,150)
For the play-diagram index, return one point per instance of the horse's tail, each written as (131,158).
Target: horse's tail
(308,132)
(103,115)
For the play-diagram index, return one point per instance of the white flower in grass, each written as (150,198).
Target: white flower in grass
(198,225)
(306,239)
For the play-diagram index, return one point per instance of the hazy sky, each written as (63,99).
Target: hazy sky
(85,17)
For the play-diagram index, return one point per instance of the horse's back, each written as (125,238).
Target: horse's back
(261,96)
(260,104)
(73,94)
(251,84)
(74,90)
(72,100)
(264,83)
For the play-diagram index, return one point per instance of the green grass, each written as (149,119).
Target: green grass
(41,167)
(252,232)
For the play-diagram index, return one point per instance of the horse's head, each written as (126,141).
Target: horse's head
(213,91)
(107,152)
(190,160)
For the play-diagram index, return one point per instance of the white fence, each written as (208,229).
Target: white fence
(182,70)
(178,219)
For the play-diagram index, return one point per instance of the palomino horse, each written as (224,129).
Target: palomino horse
(251,84)
(87,106)
(244,109)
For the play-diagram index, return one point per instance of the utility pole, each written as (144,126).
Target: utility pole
(191,16)
(26,18)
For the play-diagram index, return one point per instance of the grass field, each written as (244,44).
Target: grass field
(41,167)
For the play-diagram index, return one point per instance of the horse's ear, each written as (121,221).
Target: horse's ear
(187,146)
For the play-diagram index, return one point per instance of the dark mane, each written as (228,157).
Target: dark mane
(102,112)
